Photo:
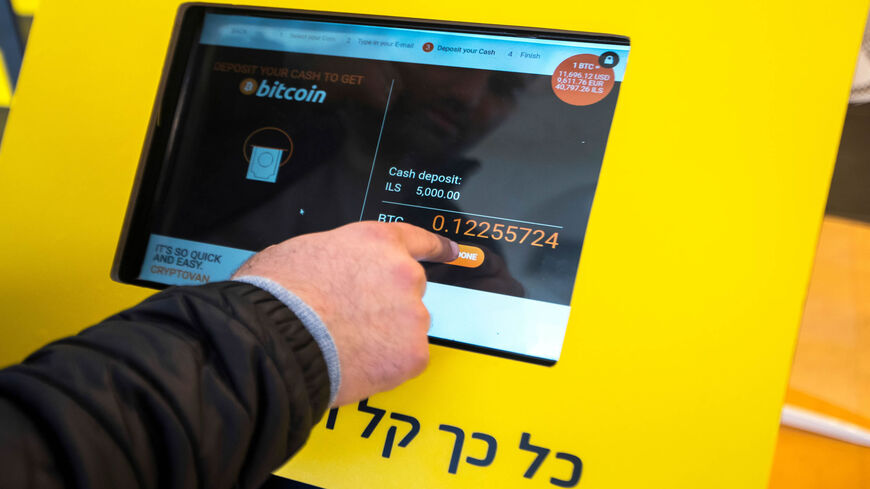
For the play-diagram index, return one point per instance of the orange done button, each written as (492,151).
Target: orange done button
(469,256)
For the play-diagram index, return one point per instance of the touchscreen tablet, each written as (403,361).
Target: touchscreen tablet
(271,124)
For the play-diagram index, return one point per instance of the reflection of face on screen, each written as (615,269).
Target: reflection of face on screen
(440,111)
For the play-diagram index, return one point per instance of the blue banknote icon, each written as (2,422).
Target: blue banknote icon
(264,164)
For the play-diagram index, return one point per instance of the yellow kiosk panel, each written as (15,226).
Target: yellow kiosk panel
(690,287)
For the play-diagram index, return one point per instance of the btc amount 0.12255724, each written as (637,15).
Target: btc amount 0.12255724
(497,231)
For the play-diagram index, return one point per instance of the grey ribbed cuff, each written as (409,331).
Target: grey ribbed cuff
(312,323)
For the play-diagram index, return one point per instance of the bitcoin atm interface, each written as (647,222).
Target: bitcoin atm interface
(270,124)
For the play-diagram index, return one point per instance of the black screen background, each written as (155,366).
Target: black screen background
(530,140)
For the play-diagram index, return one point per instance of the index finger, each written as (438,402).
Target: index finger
(426,246)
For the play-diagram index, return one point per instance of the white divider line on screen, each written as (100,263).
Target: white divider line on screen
(377,146)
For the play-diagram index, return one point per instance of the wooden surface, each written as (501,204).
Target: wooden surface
(831,371)
(806,461)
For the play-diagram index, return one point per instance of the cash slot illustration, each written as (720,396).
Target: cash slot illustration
(266,150)
(264,164)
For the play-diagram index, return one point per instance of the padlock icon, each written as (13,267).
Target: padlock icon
(608,60)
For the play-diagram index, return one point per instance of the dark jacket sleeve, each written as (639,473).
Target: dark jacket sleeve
(211,386)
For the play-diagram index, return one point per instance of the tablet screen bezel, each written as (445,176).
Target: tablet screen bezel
(169,110)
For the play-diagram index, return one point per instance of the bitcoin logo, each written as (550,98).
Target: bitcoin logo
(248,86)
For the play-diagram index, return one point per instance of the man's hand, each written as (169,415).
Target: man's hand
(365,282)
